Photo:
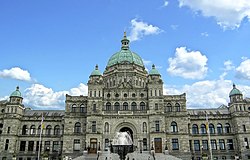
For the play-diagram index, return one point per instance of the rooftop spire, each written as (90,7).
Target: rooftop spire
(125,42)
(96,67)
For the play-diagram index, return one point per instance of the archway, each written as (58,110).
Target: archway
(127,129)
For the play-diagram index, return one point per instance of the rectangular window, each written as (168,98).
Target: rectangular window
(204,144)
(22,145)
(55,147)
(196,145)
(8,131)
(77,145)
(94,107)
(222,144)
(156,106)
(175,144)
(244,128)
(94,126)
(157,126)
(31,146)
(47,146)
(213,144)
(246,143)
(230,145)
(37,146)
(106,143)
(144,141)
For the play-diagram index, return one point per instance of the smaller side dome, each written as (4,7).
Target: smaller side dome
(235,91)
(96,72)
(16,93)
(154,71)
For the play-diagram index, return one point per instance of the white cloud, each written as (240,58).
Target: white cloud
(140,29)
(165,3)
(228,65)
(174,26)
(204,34)
(39,96)
(188,64)
(207,94)
(228,13)
(243,70)
(16,73)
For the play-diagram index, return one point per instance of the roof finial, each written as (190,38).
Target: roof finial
(96,67)
(17,88)
(234,86)
(153,66)
(124,34)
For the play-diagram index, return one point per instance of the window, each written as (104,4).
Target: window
(169,107)
(222,144)
(77,145)
(142,106)
(195,129)
(8,130)
(177,107)
(211,128)
(156,106)
(77,128)
(157,126)
(125,106)
(32,130)
(196,145)
(74,108)
(47,146)
(106,143)
(246,143)
(144,142)
(37,146)
(142,95)
(175,144)
(83,109)
(22,145)
(244,128)
(55,147)
(204,144)
(24,130)
(144,127)
(213,144)
(108,95)
(227,128)
(31,146)
(94,126)
(57,130)
(134,106)
(48,130)
(106,127)
(108,106)
(116,95)
(7,141)
(90,93)
(230,145)
(117,106)
(94,107)
(133,95)
(174,127)
(125,95)
(219,128)
(1,125)
(203,129)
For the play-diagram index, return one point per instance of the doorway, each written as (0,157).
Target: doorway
(93,145)
(158,145)
(130,132)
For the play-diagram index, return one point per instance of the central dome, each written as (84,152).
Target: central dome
(125,55)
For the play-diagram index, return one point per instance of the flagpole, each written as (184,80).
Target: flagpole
(209,138)
(40,138)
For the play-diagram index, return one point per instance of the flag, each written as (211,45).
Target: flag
(42,124)
(206,122)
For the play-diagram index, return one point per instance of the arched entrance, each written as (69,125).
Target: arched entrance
(127,129)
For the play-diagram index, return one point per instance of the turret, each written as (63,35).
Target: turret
(16,96)
(235,95)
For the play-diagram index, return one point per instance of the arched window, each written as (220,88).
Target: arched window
(108,106)
(125,106)
(33,130)
(117,106)
(134,106)
(211,128)
(195,129)
(48,130)
(142,106)
(77,128)
(83,108)
(73,108)
(144,127)
(174,127)
(106,127)
(24,130)
(177,107)
(169,107)
(203,129)
(57,130)
(219,128)
(7,144)
(227,128)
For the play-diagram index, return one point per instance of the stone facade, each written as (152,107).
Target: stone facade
(125,98)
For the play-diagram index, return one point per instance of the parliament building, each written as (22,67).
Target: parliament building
(125,97)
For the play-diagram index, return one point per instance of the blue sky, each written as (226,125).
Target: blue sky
(49,48)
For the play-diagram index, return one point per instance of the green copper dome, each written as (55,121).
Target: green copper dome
(96,72)
(16,93)
(234,91)
(125,55)
(154,71)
